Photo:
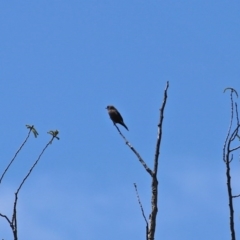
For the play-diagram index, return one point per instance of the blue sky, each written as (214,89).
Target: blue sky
(63,62)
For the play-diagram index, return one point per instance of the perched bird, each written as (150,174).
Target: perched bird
(115,115)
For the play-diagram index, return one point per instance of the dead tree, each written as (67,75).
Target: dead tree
(228,150)
(13,220)
(151,223)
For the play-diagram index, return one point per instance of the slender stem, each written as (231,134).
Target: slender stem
(229,129)
(230,198)
(160,125)
(15,156)
(236,196)
(154,200)
(140,204)
(20,186)
(136,153)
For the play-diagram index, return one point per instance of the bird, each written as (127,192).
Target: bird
(115,115)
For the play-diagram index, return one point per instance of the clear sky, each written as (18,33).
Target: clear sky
(63,62)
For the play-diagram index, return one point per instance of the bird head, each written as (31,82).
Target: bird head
(110,107)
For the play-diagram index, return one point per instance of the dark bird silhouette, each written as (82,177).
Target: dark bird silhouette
(115,115)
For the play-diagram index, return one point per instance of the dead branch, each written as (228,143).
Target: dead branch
(236,196)
(153,215)
(153,173)
(141,207)
(136,153)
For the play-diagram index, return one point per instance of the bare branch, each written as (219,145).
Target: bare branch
(234,134)
(236,196)
(232,90)
(140,204)
(136,153)
(15,156)
(20,186)
(154,201)
(141,207)
(230,126)
(4,216)
(14,218)
(159,136)
(234,149)
(236,109)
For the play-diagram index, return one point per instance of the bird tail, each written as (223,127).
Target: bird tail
(123,124)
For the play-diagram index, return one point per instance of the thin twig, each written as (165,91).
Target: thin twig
(236,108)
(141,207)
(15,156)
(234,134)
(159,136)
(20,186)
(4,216)
(236,196)
(140,204)
(230,126)
(232,90)
(234,149)
(136,153)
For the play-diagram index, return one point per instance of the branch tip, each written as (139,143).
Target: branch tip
(232,90)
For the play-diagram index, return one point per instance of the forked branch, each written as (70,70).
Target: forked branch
(153,173)
(13,221)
